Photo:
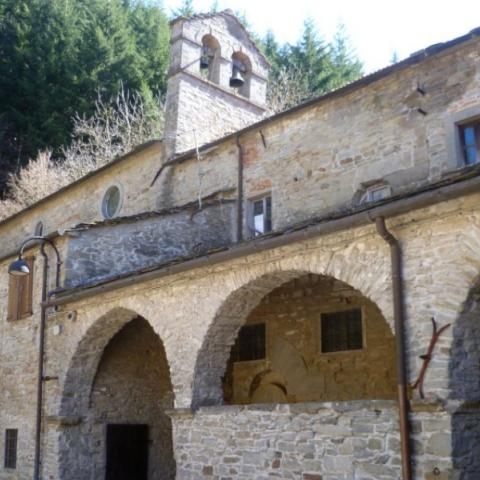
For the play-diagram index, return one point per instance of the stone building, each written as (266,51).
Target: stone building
(252,297)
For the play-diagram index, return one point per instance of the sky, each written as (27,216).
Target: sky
(376,28)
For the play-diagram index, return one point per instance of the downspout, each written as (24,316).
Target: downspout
(41,355)
(399,321)
(240,191)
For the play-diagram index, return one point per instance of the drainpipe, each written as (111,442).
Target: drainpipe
(240,191)
(41,355)
(399,320)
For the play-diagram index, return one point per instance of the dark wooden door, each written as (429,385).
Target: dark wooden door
(127,452)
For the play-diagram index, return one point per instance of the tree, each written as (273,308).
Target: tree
(309,68)
(116,127)
(56,54)
(186,10)
(346,66)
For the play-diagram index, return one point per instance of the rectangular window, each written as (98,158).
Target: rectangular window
(11,438)
(20,289)
(376,193)
(470,137)
(250,343)
(260,220)
(341,331)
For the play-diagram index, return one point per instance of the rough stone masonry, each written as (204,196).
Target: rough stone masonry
(151,305)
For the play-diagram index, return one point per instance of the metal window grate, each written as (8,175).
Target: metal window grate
(341,331)
(250,343)
(11,438)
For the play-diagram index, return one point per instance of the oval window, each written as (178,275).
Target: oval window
(111,202)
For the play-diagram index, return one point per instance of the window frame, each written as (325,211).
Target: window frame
(455,147)
(252,233)
(105,196)
(341,310)
(10,452)
(237,360)
(20,293)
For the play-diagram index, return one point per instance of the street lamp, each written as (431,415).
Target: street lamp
(20,268)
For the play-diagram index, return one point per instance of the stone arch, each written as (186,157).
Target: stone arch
(211,52)
(82,427)
(241,62)
(215,350)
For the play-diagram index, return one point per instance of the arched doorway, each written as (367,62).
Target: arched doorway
(296,337)
(313,339)
(295,379)
(118,420)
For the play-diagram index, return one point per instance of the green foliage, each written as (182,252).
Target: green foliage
(186,10)
(319,66)
(55,55)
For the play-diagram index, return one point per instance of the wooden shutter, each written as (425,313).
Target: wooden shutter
(20,294)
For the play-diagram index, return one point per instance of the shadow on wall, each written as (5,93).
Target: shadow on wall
(465,386)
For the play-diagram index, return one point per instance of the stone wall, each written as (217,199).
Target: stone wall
(100,252)
(197,314)
(317,441)
(312,160)
(200,110)
(294,358)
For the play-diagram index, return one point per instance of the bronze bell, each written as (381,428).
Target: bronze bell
(204,62)
(206,58)
(236,80)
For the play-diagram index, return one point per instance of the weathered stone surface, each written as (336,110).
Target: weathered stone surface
(313,162)
(101,252)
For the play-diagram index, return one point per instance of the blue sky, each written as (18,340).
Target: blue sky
(376,28)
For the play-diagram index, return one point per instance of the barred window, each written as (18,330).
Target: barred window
(11,438)
(341,331)
(250,343)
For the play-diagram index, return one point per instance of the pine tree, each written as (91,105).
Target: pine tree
(186,10)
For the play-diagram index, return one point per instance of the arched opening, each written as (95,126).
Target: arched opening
(465,387)
(117,426)
(241,73)
(210,58)
(292,337)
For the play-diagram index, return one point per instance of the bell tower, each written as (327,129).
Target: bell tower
(217,81)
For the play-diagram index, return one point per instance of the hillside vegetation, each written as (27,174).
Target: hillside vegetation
(82,81)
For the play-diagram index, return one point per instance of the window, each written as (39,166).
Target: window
(260,215)
(11,437)
(470,139)
(250,343)
(341,331)
(112,202)
(20,290)
(377,192)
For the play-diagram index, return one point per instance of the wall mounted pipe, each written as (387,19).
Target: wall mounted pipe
(240,191)
(399,321)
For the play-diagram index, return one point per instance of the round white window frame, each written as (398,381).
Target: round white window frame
(104,199)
